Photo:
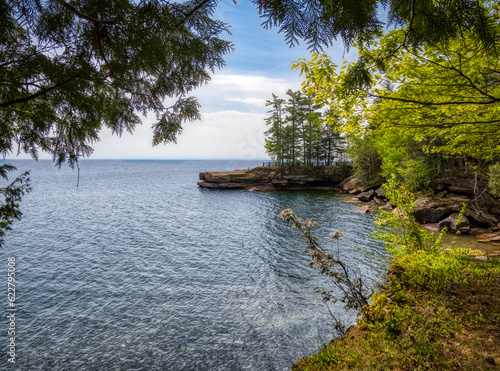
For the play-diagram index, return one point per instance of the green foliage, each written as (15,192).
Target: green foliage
(360,21)
(409,237)
(298,133)
(444,96)
(494,179)
(437,311)
(70,69)
(11,194)
(366,160)
(402,156)
(274,142)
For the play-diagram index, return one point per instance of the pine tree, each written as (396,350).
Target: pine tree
(309,127)
(333,144)
(293,121)
(274,142)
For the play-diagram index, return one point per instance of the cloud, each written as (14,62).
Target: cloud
(223,134)
(242,92)
(260,102)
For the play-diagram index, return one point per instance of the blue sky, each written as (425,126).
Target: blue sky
(233,103)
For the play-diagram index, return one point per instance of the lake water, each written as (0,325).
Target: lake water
(140,269)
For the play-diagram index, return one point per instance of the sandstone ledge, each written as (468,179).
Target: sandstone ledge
(269,179)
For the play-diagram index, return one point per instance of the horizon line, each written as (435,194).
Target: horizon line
(146,159)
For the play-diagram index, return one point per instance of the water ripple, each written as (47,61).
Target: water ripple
(139,269)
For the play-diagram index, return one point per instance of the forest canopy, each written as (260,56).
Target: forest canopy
(417,104)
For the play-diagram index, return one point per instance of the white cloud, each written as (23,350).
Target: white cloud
(223,134)
(232,124)
(250,83)
(260,102)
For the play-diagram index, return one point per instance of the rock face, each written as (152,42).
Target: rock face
(453,224)
(236,176)
(269,179)
(366,196)
(352,185)
(380,192)
(461,186)
(481,217)
(433,209)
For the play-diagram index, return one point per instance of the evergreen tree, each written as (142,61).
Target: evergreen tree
(293,120)
(310,129)
(274,142)
(332,144)
(70,68)
(321,22)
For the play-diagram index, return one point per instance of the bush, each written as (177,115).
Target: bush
(494,181)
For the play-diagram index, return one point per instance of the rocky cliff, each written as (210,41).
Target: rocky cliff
(325,178)
(481,215)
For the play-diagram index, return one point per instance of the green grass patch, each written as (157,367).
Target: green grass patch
(438,311)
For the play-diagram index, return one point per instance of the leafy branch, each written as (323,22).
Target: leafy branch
(12,195)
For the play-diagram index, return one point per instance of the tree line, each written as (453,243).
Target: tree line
(298,133)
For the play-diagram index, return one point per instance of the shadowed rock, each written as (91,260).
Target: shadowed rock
(453,224)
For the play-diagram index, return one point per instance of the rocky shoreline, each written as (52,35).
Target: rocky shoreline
(269,179)
(481,217)
(434,212)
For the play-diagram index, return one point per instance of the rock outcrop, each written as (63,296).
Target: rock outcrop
(488,237)
(481,215)
(453,223)
(433,209)
(269,179)
(352,185)
(366,196)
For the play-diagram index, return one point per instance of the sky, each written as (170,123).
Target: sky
(232,103)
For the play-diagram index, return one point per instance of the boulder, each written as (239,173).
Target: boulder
(465,186)
(366,196)
(352,185)
(431,227)
(365,209)
(380,192)
(488,202)
(478,230)
(452,223)
(387,207)
(433,209)
(378,201)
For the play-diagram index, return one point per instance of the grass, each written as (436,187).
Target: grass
(440,310)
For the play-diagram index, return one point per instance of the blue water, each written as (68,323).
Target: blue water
(140,269)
